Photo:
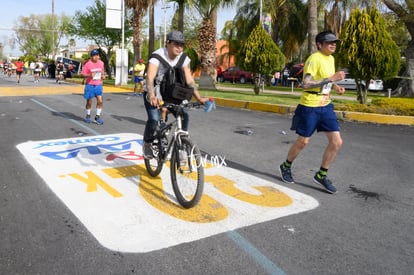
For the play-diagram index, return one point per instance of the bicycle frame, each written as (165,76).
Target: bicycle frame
(176,129)
(186,171)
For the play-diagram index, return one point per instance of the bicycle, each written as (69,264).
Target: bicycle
(174,144)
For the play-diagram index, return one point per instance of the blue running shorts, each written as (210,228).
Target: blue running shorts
(138,79)
(92,91)
(308,119)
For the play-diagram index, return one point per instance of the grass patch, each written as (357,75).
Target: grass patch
(244,92)
(250,96)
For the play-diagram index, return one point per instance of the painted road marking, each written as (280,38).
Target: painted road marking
(66,89)
(103,181)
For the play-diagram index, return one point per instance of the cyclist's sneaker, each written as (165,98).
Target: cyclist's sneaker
(135,94)
(325,182)
(98,120)
(286,174)
(162,125)
(88,119)
(183,157)
(147,150)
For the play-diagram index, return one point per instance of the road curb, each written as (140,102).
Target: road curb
(276,108)
(342,115)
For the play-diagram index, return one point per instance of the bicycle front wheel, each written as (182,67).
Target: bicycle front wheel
(187,173)
(154,165)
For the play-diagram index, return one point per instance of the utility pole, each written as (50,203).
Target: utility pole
(53,29)
(165,7)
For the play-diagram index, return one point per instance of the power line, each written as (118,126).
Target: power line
(26,29)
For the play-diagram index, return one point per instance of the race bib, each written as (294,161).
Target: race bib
(97,76)
(326,89)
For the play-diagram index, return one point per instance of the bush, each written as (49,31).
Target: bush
(387,106)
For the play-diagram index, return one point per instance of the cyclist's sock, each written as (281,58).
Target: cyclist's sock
(88,112)
(98,112)
(287,164)
(322,172)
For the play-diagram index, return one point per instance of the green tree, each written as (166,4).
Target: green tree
(34,36)
(405,12)
(229,34)
(312,24)
(207,39)
(90,25)
(139,9)
(289,23)
(180,11)
(368,50)
(260,55)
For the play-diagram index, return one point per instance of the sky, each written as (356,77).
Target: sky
(14,9)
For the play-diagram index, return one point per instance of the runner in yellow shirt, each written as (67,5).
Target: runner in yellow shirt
(139,77)
(315,111)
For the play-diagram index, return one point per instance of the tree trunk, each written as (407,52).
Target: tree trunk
(312,25)
(362,91)
(151,44)
(207,41)
(181,8)
(257,83)
(406,86)
(136,23)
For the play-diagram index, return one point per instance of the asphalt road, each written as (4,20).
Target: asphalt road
(366,228)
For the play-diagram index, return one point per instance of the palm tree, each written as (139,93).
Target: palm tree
(181,8)
(312,24)
(139,8)
(151,44)
(229,34)
(207,35)
(288,22)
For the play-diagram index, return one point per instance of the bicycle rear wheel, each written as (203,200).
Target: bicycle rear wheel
(187,173)
(154,165)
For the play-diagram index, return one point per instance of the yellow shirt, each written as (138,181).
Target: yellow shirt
(139,69)
(319,66)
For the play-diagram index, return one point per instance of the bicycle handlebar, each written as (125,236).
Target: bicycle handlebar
(184,104)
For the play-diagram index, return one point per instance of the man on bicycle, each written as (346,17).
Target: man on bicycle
(152,95)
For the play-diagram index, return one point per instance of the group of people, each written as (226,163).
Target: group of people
(314,112)
(38,69)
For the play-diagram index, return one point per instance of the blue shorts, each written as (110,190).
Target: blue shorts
(138,79)
(308,119)
(92,91)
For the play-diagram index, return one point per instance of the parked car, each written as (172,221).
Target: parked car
(349,83)
(376,85)
(76,64)
(234,74)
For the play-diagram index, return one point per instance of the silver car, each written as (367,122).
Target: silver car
(349,83)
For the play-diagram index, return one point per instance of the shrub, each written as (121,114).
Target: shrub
(387,106)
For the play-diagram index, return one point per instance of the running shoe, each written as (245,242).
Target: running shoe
(147,150)
(88,119)
(325,182)
(98,120)
(286,174)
